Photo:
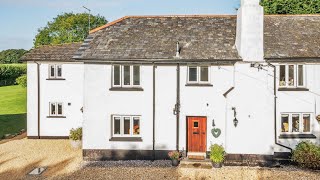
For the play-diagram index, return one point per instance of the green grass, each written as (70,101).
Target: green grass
(13,109)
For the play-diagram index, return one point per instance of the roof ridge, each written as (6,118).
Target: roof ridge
(158,16)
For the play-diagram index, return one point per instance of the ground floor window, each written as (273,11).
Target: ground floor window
(294,123)
(55,108)
(125,126)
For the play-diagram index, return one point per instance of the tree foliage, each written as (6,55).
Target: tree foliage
(11,56)
(66,28)
(291,6)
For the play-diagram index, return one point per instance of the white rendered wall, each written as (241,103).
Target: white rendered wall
(254,103)
(166,88)
(205,101)
(100,104)
(32,99)
(301,102)
(66,91)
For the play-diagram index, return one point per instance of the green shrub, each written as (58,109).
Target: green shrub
(307,155)
(217,153)
(76,134)
(22,80)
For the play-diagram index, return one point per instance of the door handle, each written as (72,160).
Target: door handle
(195,132)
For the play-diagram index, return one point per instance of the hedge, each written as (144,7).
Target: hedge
(10,72)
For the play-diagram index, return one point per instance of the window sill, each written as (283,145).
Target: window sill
(58,79)
(56,116)
(297,136)
(126,89)
(199,85)
(292,89)
(131,139)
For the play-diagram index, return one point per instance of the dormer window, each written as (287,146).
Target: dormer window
(55,71)
(292,76)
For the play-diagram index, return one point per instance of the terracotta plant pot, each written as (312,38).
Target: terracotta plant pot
(175,162)
(76,144)
(216,165)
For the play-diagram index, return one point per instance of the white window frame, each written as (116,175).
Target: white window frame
(56,109)
(122,76)
(301,126)
(296,76)
(199,75)
(55,68)
(122,126)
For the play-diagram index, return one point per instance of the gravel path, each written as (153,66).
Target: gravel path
(18,157)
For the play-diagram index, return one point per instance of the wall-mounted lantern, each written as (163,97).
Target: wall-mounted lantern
(213,124)
(235,120)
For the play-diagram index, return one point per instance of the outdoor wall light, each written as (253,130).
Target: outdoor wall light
(235,120)
(213,124)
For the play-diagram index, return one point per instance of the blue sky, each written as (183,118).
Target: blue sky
(20,19)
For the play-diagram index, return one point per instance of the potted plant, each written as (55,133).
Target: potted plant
(76,137)
(175,157)
(217,155)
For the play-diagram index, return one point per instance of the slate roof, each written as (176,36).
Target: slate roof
(155,37)
(292,36)
(202,37)
(63,52)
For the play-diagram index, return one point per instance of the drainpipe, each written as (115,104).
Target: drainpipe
(177,108)
(275,107)
(38,81)
(154,112)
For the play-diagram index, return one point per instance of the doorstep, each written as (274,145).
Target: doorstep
(196,155)
(192,163)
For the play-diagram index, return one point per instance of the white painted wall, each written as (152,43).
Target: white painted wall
(32,99)
(166,90)
(253,99)
(252,96)
(301,102)
(206,101)
(100,104)
(66,91)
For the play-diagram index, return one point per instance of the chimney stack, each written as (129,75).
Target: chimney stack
(249,40)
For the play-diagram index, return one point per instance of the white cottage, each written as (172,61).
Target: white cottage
(142,86)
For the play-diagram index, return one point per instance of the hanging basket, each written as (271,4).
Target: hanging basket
(318,118)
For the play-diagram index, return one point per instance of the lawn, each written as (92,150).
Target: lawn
(13,109)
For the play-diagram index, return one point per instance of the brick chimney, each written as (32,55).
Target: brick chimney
(249,40)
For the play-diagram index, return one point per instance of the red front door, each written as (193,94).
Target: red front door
(197,134)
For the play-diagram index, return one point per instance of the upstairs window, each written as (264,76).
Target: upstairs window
(292,76)
(55,109)
(126,76)
(126,126)
(198,75)
(55,71)
(295,123)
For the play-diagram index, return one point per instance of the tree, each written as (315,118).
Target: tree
(291,6)
(66,28)
(11,56)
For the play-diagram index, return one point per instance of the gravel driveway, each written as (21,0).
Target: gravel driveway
(18,157)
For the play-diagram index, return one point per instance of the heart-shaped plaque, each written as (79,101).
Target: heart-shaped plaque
(216,132)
